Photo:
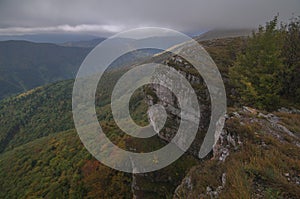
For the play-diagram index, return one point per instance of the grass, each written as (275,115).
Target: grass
(291,121)
(253,169)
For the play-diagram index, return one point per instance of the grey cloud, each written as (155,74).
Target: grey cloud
(83,28)
(184,15)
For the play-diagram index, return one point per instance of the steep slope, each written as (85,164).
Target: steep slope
(35,114)
(48,163)
(257,154)
(39,113)
(45,110)
(42,156)
(264,146)
(58,166)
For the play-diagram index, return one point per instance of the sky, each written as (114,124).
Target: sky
(103,18)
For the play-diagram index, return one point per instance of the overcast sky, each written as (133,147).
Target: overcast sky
(100,17)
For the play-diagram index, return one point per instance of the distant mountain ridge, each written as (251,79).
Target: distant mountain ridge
(25,65)
(48,38)
(223,33)
(83,44)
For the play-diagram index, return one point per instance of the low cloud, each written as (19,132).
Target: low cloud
(83,28)
(103,16)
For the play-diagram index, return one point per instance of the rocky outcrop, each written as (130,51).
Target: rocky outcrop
(164,97)
(230,142)
(265,127)
(143,184)
(186,189)
(289,110)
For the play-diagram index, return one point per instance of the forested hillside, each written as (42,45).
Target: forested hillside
(257,155)
(26,65)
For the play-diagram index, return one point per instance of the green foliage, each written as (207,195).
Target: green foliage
(46,110)
(268,71)
(42,157)
(138,107)
(26,65)
(224,52)
(58,166)
(35,114)
(257,72)
(46,162)
(291,54)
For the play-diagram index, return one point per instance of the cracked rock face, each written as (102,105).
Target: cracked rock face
(226,142)
(157,116)
(164,97)
(166,123)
